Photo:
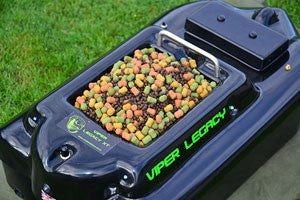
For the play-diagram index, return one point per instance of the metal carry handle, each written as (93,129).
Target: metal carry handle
(194,48)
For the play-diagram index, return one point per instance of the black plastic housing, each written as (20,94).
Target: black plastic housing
(244,39)
(264,104)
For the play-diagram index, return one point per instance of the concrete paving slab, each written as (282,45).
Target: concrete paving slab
(278,178)
(6,193)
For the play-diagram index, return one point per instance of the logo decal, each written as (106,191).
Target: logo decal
(75,124)
(187,146)
(88,132)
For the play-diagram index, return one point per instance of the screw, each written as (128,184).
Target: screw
(253,35)
(288,67)
(113,190)
(46,188)
(127,180)
(164,25)
(65,152)
(233,110)
(32,122)
(110,191)
(221,18)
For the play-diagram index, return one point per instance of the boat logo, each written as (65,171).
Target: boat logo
(75,124)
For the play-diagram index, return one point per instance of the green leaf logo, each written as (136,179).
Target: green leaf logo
(75,124)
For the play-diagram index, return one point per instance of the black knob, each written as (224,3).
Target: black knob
(65,152)
(266,16)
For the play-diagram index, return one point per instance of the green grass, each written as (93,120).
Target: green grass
(292,7)
(44,43)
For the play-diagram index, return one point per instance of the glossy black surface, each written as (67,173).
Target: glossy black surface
(28,145)
(242,38)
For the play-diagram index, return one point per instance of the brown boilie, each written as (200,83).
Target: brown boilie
(143,94)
